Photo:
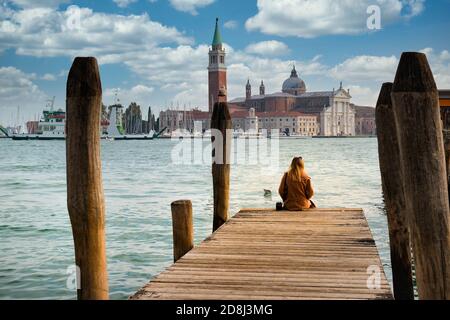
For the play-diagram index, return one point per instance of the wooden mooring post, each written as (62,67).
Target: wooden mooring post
(416,107)
(85,199)
(221,139)
(183,229)
(394,196)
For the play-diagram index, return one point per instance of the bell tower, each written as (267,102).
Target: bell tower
(217,70)
(262,89)
(248,90)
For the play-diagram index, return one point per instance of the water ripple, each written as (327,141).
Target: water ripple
(140,183)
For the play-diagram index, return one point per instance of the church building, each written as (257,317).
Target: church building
(294,109)
(332,109)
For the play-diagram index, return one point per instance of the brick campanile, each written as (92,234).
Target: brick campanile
(217,71)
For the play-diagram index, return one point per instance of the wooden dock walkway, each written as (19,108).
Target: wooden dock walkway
(265,254)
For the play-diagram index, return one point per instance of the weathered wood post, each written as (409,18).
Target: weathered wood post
(447,160)
(416,107)
(221,125)
(85,200)
(394,196)
(183,229)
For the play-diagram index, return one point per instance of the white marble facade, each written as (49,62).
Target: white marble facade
(338,119)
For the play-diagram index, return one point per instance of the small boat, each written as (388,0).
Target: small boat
(132,137)
(37,137)
(240,134)
(51,126)
(294,137)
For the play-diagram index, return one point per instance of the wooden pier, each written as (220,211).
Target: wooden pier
(266,254)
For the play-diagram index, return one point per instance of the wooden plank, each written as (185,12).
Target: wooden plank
(264,254)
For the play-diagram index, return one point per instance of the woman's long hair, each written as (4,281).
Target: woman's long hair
(296,170)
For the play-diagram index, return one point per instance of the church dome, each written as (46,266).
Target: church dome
(294,85)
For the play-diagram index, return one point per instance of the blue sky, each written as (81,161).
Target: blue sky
(155,51)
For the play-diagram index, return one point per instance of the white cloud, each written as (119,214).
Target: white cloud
(372,71)
(191,95)
(38,3)
(176,72)
(166,65)
(307,19)
(45,32)
(231,24)
(48,77)
(272,70)
(440,65)
(18,89)
(364,75)
(364,96)
(445,55)
(141,94)
(361,68)
(124,3)
(190,6)
(181,74)
(169,68)
(268,48)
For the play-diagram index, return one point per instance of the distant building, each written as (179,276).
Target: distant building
(444,102)
(334,115)
(293,110)
(291,122)
(365,121)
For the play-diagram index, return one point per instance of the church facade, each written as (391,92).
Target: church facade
(332,109)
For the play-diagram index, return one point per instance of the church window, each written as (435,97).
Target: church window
(222,59)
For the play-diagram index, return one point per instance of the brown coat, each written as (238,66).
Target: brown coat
(296,194)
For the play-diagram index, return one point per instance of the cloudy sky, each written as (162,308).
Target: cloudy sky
(155,52)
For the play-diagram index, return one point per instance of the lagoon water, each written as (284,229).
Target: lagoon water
(140,182)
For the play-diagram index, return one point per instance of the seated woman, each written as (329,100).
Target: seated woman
(295,187)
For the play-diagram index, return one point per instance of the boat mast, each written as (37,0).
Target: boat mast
(51,103)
